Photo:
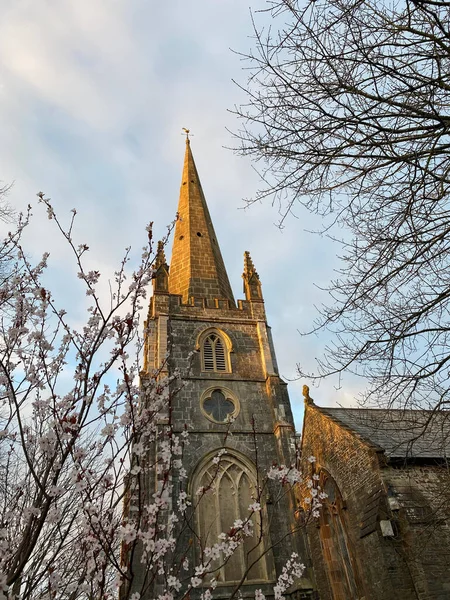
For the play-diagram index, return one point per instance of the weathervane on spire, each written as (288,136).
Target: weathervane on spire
(187,132)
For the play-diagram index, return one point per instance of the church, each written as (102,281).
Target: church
(229,396)
(383,529)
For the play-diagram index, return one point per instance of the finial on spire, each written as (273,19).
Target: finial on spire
(249,267)
(186,132)
(160,255)
(161,271)
(252,284)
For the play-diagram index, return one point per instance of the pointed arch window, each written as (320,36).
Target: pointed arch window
(336,549)
(215,352)
(232,488)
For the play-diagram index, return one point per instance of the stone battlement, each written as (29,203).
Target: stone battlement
(215,307)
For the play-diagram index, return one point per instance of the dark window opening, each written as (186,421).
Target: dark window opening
(218,407)
(214,354)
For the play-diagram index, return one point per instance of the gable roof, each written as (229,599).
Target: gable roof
(399,433)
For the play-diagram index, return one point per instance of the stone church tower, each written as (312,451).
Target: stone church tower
(225,354)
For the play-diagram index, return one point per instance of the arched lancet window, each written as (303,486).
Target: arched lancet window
(336,551)
(233,489)
(215,349)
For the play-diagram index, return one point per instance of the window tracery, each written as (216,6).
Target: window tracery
(232,487)
(215,349)
(219,404)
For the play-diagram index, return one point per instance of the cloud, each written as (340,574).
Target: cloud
(93,96)
(78,57)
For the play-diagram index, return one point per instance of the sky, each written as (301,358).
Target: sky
(93,98)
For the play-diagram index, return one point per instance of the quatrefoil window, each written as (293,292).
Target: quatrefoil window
(219,405)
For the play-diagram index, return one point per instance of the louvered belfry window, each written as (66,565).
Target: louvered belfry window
(214,354)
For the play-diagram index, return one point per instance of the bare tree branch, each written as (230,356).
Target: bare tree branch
(348,113)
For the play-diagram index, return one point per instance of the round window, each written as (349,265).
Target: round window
(218,405)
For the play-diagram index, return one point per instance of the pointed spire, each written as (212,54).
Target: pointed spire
(160,255)
(249,267)
(197,268)
(161,271)
(252,284)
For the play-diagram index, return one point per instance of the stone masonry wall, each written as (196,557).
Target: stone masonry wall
(354,466)
(263,428)
(247,382)
(414,564)
(422,520)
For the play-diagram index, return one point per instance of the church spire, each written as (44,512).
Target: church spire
(197,267)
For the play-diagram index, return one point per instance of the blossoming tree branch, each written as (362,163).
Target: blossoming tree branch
(77,441)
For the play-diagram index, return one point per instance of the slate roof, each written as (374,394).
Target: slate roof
(399,433)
